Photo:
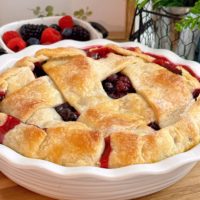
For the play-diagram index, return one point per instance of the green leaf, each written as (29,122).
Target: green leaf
(89,13)
(142,3)
(75,13)
(35,12)
(49,14)
(81,12)
(49,8)
(38,8)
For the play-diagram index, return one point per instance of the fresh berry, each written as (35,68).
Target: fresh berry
(66,22)
(108,86)
(38,70)
(73,116)
(2,95)
(50,35)
(113,78)
(117,86)
(122,86)
(55,26)
(154,126)
(32,41)
(7,36)
(79,33)
(16,44)
(2,51)
(67,33)
(32,31)
(67,112)
(196,93)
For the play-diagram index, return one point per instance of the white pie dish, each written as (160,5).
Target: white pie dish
(47,21)
(91,182)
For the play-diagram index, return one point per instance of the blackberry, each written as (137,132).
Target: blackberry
(79,33)
(2,51)
(31,31)
(154,126)
(67,112)
(55,26)
(108,86)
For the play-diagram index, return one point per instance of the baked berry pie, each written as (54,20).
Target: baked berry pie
(103,106)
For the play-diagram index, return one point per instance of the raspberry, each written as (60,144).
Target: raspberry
(16,44)
(7,36)
(66,22)
(32,31)
(50,35)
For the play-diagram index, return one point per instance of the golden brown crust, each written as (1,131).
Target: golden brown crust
(59,52)
(3,118)
(127,52)
(38,94)
(25,139)
(191,81)
(166,92)
(161,96)
(15,78)
(44,116)
(72,144)
(130,149)
(29,61)
(77,81)
(127,113)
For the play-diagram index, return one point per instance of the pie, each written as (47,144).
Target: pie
(103,106)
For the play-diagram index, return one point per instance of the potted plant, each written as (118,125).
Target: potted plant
(183,16)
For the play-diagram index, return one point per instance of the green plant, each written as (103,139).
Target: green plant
(192,20)
(48,11)
(166,3)
(83,14)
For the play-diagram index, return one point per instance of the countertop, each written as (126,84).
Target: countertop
(186,189)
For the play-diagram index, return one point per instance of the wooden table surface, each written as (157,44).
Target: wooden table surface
(186,189)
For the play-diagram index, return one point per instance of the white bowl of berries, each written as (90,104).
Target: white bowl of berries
(46,30)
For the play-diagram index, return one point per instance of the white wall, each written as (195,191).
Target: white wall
(111,13)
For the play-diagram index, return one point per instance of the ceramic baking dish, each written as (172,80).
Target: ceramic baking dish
(47,21)
(89,183)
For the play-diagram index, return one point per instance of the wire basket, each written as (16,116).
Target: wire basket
(156,29)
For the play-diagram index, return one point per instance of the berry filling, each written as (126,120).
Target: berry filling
(98,52)
(118,85)
(2,95)
(38,70)
(154,126)
(164,62)
(105,156)
(196,93)
(67,112)
(9,124)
